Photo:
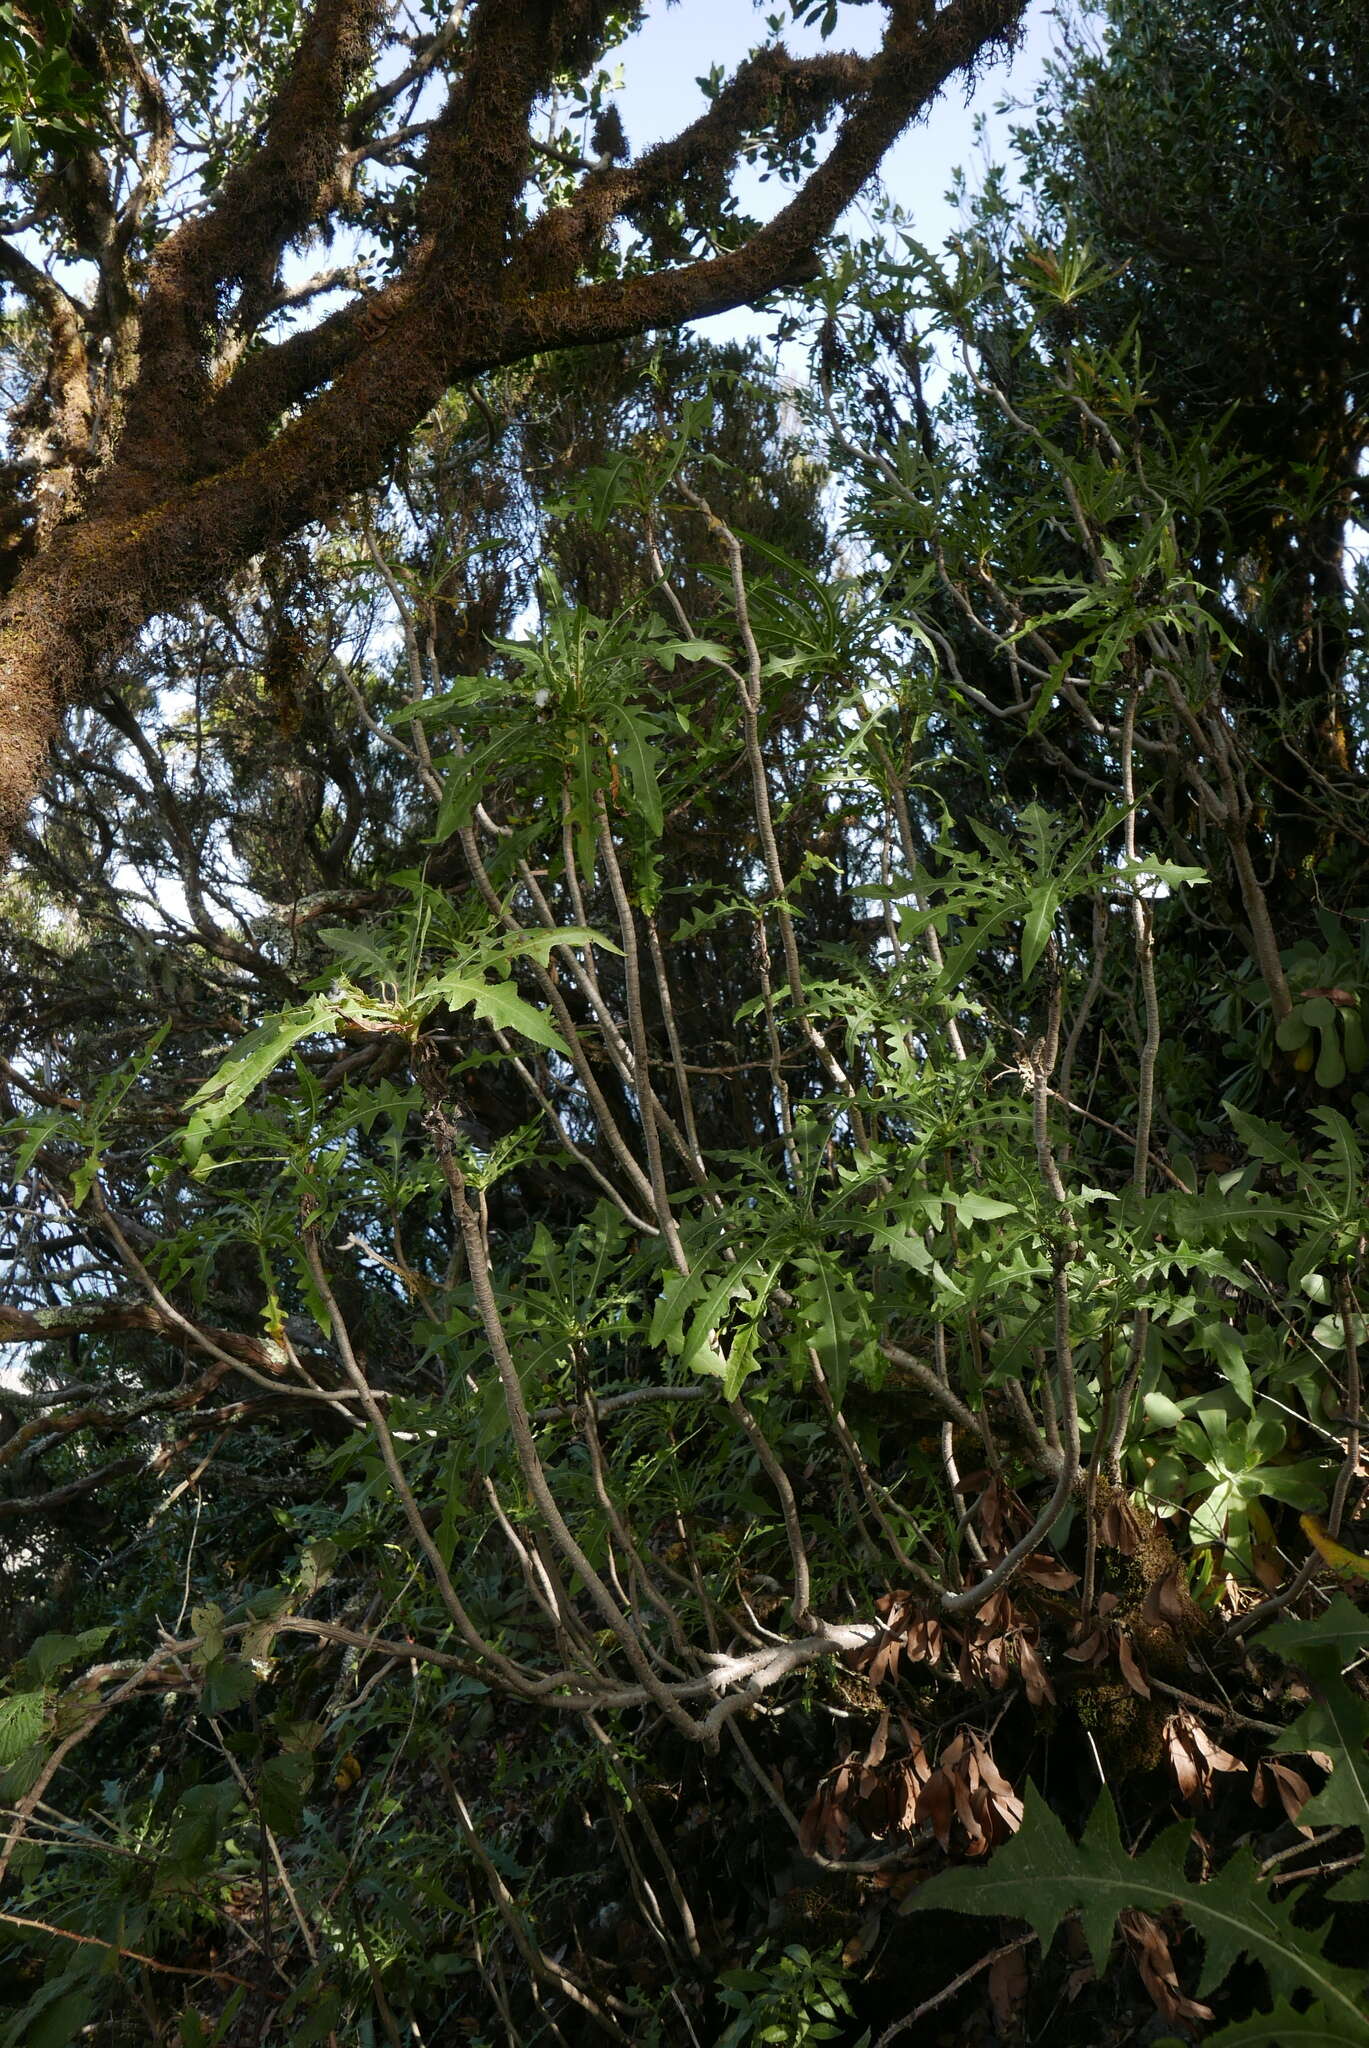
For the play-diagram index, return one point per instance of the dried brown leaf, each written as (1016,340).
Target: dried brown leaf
(1214,1756)
(1119,1529)
(879,1742)
(1035,1677)
(904,1786)
(1181,1761)
(811,1826)
(1288,1786)
(1164,1604)
(936,1807)
(1149,1946)
(1131,1666)
(1009,1983)
(1052,1572)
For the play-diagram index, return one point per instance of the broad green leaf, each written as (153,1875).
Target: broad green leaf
(1342,1627)
(282,1786)
(498,1002)
(1162,1411)
(21,1724)
(51,1655)
(202,1815)
(1042,904)
(1282,2028)
(207,1623)
(972,1207)
(55,2017)
(22,1775)
(1337,1725)
(1041,1876)
(227,1683)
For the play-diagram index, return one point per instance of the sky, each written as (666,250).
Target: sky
(677,44)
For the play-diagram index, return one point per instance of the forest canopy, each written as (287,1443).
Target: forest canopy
(682,1036)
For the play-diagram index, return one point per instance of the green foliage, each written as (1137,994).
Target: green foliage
(1041,1876)
(746,1047)
(46,100)
(793,1999)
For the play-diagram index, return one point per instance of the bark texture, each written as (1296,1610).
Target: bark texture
(170,440)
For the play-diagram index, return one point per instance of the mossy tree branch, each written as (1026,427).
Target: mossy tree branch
(208,443)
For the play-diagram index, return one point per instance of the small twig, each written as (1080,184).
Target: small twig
(134,1955)
(948,1991)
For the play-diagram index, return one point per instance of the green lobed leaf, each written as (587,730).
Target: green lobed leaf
(633,738)
(1342,1627)
(499,1003)
(1042,1876)
(1282,2028)
(1336,1724)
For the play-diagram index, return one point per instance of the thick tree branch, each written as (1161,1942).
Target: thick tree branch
(261,206)
(912,67)
(706,152)
(68,373)
(94,1319)
(200,479)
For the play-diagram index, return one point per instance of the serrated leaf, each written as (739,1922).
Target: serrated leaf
(282,1786)
(38,1130)
(1262,1140)
(359,949)
(1225,1344)
(227,1683)
(1282,2028)
(463,785)
(741,1359)
(668,652)
(499,1003)
(23,1774)
(252,1059)
(21,1724)
(1336,1725)
(50,1655)
(972,1207)
(903,1243)
(1041,1876)
(633,738)
(1042,904)
(1343,1627)
(1172,873)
